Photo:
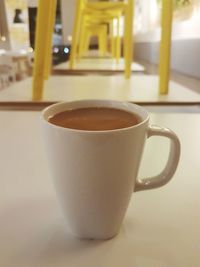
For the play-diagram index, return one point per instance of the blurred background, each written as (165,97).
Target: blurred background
(17,50)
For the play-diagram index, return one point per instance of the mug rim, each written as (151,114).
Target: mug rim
(96,103)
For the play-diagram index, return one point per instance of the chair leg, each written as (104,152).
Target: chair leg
(105,39)
(40,46)
(101,44)
(86,44)
(75,34)
(128,38)
(48,61)
(102,41)
(81,45)
(113,50)
(118,43)
(82,38)
(165,46)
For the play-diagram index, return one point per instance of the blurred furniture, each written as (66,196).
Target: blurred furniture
(14,66)
(4,79)
(96,13)
(7,71)
(160,228)
(23,66)
(60,54)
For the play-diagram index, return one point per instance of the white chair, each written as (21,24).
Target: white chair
(8,67)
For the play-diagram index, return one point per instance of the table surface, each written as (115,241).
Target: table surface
(99,64)
(161,227)
(139,88)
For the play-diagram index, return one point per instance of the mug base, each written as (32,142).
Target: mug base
(94,237)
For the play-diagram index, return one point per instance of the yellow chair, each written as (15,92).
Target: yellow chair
(100,31)
(101,24)
(105,11)
(92,24)
(44,30)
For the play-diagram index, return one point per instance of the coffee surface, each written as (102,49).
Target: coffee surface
(94,119)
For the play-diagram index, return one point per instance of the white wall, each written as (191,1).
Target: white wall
(181,30)
(185,55)
(19,32)
(67,12)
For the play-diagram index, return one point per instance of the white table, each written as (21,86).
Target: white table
(100,64)
(139,88)
(161,228)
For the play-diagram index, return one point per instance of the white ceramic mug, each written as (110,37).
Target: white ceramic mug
(95,172)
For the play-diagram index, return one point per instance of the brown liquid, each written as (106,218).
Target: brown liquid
(94,119)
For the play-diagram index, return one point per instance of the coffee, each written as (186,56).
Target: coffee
(94,119)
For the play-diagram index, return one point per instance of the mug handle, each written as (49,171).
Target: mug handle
(172,162)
